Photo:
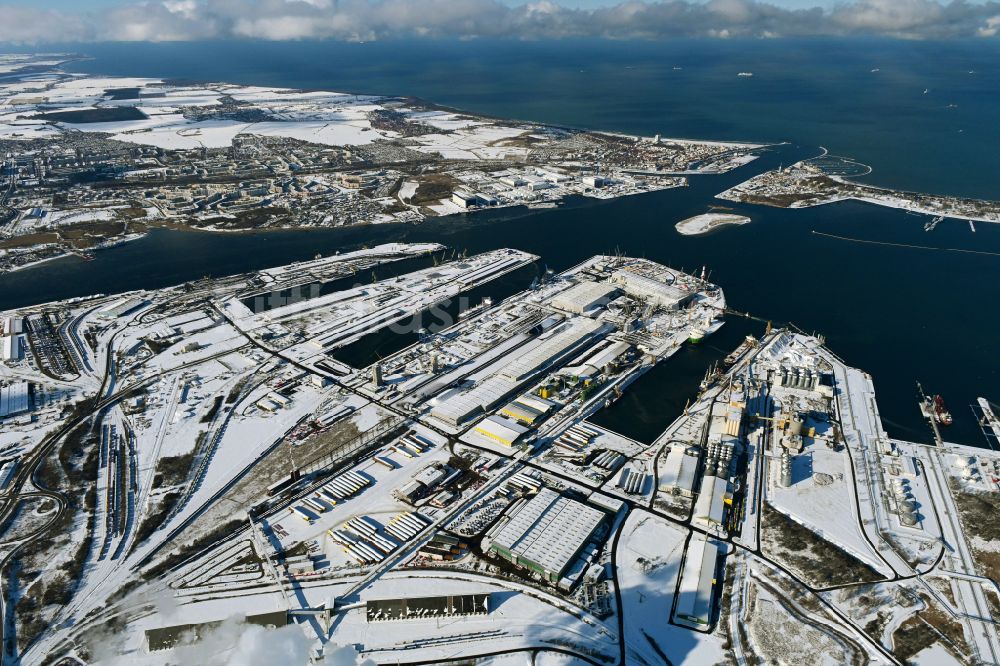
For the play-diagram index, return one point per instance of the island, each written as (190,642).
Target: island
(805,184)
(706,222)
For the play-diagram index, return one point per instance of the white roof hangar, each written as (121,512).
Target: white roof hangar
(697,585)
(501,430)
(679,469)
(584,297)
(14,399)
(462,406)
(660,293)
(710,508)
(547,533)
(552,346)
(517,367)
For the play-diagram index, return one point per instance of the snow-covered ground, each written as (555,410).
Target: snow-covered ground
(702,224)
(820,497)
(649,560)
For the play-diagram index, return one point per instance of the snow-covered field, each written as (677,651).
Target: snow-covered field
(649,561)
(824,507)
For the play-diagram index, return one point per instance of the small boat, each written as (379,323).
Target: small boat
(941,413)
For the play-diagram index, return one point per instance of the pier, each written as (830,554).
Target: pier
(927,409)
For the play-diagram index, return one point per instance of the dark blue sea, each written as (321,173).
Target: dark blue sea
(903,314)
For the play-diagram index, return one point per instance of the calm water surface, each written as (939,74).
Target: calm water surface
(902,314)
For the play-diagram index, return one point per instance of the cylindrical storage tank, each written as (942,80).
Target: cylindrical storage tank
(405,527)
(357,477)
(378,538)
(356,554)
(360,527)
(380,547)
(351,482)
(369,522)
(366,553)
(412,523)
(341,488)
(313,504)
(396,531)
(340,537)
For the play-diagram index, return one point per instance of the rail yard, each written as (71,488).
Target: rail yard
(202,463)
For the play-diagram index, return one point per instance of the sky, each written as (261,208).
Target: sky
(91,5)
(577,4)
(55,21)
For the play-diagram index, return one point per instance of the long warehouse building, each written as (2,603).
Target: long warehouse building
(697,586)
(517,367)
(659,293)
(547,533)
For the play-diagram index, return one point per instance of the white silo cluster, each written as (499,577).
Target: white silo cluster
(786,470)
(632,481)
(796,377)
(718,459)
(906,507)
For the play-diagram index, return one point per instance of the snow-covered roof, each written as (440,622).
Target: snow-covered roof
(549,530)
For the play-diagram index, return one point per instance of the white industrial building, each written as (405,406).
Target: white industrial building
(551,346)
(518,367)
(13,326)
(596,181)
(597,360)
(546,533)
(484,199)
(584,297)
(679,469)
(500,430)
(14,399)
(528,409)
(659,293)
(461,406)
(463,199)
(121,308)
(710,508)
(12,348)
(512,181)
(555,176)
(697,585)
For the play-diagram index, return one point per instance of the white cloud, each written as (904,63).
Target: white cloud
(990,27)
(174,20)
(343,656)
(257,646)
